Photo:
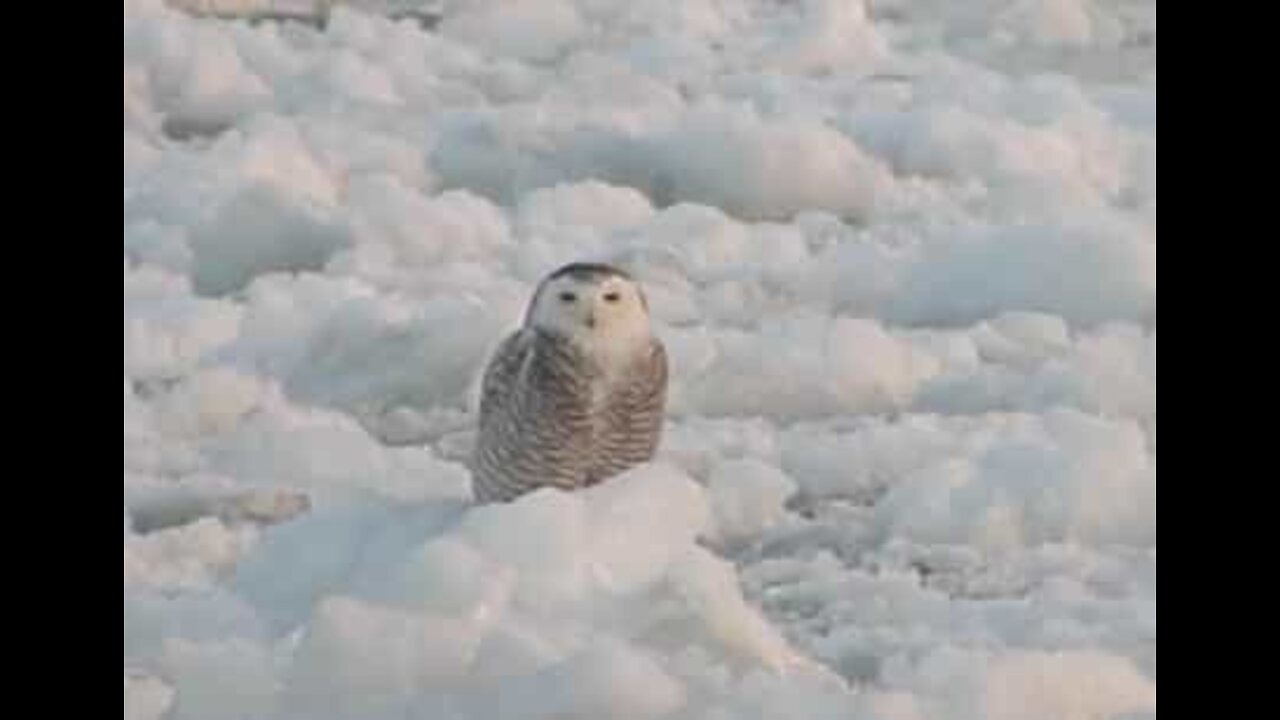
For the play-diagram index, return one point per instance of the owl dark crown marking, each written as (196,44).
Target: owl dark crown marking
(588,271)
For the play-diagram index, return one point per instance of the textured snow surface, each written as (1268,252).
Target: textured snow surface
(903,256)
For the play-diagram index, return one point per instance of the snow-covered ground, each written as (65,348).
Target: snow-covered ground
(902,253)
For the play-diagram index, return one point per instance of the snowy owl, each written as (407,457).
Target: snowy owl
(577,394)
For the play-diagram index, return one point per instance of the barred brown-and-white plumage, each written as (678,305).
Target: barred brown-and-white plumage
(575,396)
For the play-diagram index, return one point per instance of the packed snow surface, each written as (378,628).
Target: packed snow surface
(903,257)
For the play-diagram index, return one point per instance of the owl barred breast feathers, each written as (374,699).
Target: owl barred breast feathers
(577,394)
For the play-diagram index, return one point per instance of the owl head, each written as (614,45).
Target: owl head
(593,304)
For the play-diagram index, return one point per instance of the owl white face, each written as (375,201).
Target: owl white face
(601,312)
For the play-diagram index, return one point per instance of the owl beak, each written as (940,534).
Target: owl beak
(591,320)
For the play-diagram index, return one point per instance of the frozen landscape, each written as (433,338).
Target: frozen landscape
(902,254)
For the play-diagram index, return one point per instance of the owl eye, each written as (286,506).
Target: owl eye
(612,297)
(568,297)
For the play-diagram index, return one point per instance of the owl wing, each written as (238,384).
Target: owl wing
(634,417)
(534,421)
(501,375)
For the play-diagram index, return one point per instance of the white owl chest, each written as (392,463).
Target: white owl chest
(607,384)
(600,389)
(612,364)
